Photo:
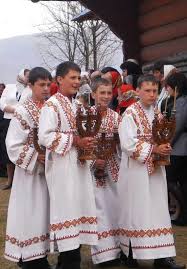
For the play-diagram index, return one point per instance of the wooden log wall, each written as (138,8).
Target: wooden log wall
(162,28)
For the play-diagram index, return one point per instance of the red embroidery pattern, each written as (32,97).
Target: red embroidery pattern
(139,147)
(22,121)
(135,233)
(28,258)
(66,106)
(146,233)
(109,124)
(73,223)
(113,167)
(105,234)
(28,242)
(149,247)
(33,110)
(100,183)
(26,147)
(106,250)
(55,142)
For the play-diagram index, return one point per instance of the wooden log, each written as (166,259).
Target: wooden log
(164,15)
(148,5)
(163,50)
(164,33)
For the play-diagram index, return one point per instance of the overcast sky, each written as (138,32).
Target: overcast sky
(20,17)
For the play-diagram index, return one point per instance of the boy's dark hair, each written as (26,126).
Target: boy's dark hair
(178,80)
(98,81)
(159,65)
(146,78)
(64,68)
(108,69)
(39,73)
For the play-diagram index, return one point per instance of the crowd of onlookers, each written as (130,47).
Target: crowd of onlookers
(124,86)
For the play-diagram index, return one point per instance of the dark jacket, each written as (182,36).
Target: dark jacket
(179,142)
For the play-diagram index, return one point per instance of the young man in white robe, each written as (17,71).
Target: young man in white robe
(27,233)
(145,224)
(72,205)
(107,251)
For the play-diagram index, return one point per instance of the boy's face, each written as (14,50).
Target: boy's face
(70,83)
(103,95)
(41,89)
(148,93)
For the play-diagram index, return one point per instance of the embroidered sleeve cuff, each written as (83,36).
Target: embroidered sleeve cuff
(27,158)
(61,143)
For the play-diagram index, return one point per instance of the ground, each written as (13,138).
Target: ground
(181,240)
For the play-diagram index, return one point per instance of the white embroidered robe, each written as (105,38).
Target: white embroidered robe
(145,220)
(108,200)
(72,205)
(27,233)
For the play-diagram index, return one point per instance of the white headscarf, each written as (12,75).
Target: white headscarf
(167,70)
(20,85)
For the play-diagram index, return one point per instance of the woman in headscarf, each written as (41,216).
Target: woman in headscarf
(130,72)
(23,91)
(10,98)
(115,77)
(176,84)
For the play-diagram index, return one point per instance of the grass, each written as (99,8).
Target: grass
(181,240)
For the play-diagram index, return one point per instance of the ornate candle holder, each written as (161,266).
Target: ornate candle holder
(163,131)
(106,147)
(88,124)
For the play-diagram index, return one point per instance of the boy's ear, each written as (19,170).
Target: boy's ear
(137,90)
(30,85)
(59,79)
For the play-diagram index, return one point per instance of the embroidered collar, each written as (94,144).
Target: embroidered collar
(67,107)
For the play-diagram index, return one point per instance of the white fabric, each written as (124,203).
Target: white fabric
(145,220)
(167,69)
(27,234)
(8,97)
(108,201)
(162,96)
(72,204)
(26,94)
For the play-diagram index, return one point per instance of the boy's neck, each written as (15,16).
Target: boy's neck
(145,105)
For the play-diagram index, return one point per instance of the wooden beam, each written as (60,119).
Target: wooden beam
(148,5)
(177,10)
(164,49)
(164,33)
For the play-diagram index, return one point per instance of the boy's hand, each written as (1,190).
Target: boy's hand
(41,158)
(100,164)
(84,143)
(164,149)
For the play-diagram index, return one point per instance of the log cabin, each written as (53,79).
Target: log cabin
(150,29)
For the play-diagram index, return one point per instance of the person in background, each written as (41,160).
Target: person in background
(126,97)
(10,98)
(177,171)
(130,72)
(54,86)
(114,77)
(2,142)
(161,70)
(23,90)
